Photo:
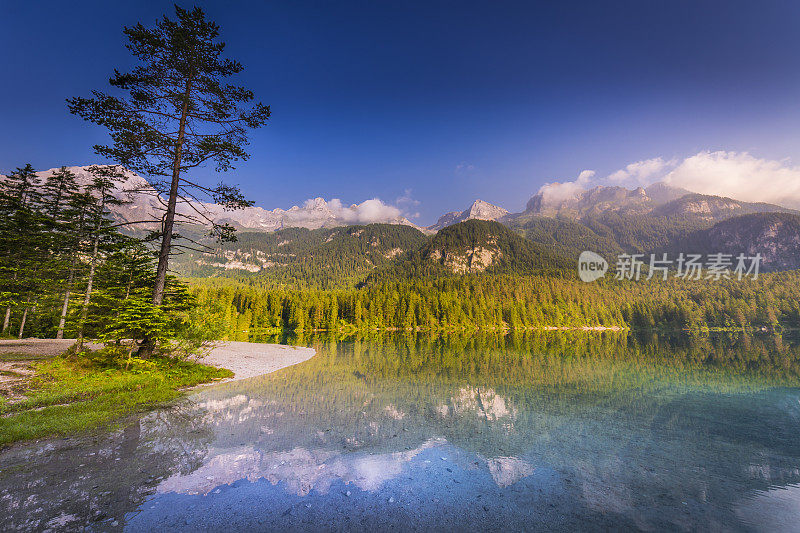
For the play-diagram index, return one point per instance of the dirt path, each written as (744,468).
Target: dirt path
(17,358)
(38,348)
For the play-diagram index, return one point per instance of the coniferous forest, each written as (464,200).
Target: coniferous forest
(67,269)
(246,310)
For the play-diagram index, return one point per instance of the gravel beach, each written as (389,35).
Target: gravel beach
(245,359)
(249,359)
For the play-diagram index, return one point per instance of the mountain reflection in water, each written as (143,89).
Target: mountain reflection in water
(551,431)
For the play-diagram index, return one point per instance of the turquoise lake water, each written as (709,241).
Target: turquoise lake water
(554,431)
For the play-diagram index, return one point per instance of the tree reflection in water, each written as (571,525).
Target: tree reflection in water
(657,431)
(69,484)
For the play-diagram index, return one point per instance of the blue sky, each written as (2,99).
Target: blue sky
(452,100)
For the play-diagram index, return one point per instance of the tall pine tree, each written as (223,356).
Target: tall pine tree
(178,114)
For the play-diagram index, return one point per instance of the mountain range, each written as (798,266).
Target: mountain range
(657,200)
(143,203)
(324,243)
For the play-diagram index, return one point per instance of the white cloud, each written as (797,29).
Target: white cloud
(560,191)
(736,175)
(406,199)
(406,202)
(376,211)
(316,210)
(739,175)
(367,212)
(640,173)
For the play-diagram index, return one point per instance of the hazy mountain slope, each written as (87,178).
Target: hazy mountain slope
(776,236)
(142,203)
(661,193)
(590,202)
(319,258)
(713,208)
(657,200)
(140,200)
(637,221)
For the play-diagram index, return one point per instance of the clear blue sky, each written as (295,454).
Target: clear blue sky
(453,100)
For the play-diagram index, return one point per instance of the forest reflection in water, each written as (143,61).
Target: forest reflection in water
(645,431)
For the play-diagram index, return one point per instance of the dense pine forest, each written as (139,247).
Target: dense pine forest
(475,275)
(67,271)
(247,310)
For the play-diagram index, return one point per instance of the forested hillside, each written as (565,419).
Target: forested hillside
(567,236)
(642,233)
(471,247)
(66,270)
(299,257)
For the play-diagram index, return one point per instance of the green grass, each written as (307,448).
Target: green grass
(80,393)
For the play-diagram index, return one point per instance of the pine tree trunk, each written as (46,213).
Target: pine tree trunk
(7,319)
(148,346)
(88,295)
(62,321)
(169,218)
(65,307)
(22,325)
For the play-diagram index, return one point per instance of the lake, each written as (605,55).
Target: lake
(554,431)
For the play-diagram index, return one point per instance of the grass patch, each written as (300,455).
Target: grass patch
(70,394)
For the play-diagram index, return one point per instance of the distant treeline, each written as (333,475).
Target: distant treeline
(242,310)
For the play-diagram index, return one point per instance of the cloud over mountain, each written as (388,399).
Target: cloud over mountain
(143,203)
(641,173)
(367,212)
(559,191)
(737,175)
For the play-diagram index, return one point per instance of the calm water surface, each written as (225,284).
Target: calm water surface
(554,431)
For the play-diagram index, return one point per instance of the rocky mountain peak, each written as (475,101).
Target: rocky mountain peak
(584,202)
(485,211)
(479,210)
(317,204)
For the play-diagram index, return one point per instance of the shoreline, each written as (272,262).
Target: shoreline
(252,359)
(244,359)
(77,396)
